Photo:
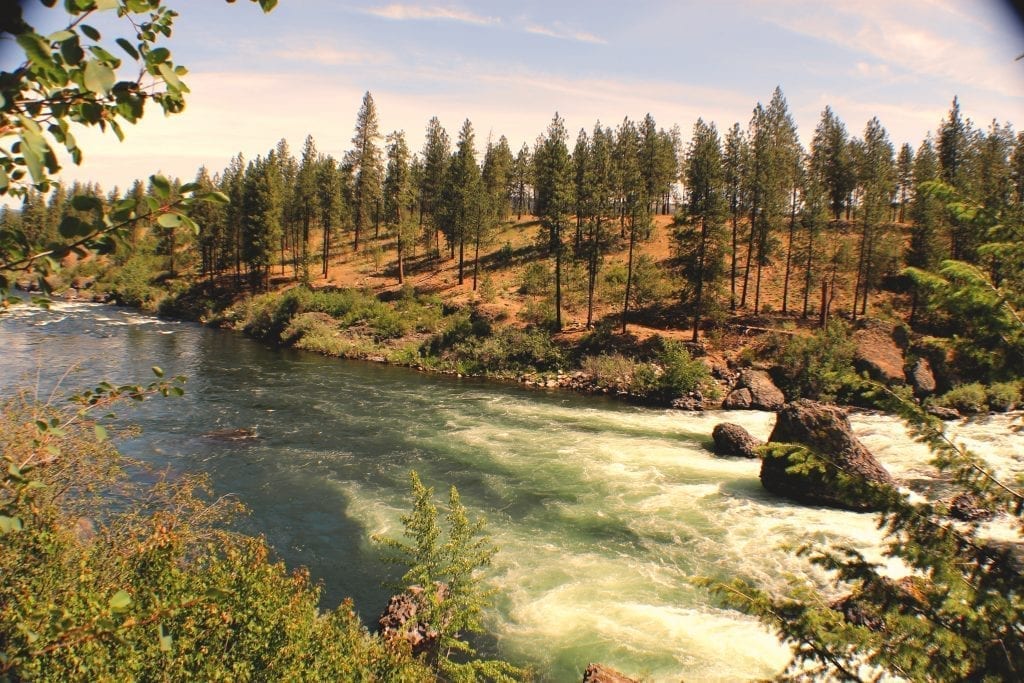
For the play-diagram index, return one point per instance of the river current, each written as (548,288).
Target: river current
(602,511)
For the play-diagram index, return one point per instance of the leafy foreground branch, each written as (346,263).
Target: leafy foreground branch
(956,615)
(105,579)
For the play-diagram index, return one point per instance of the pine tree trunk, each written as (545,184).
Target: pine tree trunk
(789,253)
(735,258)
(558,280)
(629,273)
(700,277)
(807,272)
(595,250)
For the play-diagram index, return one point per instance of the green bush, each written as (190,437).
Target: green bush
(817,367)
(540,313)
(968,399)
(681,374)
(536,279)
(1003,396)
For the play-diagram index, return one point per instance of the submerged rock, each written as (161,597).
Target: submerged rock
(944,413)
(599,673)
(843,473)
(232,434)
(732,439)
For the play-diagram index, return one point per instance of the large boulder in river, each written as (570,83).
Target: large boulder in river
(833,468)
(756,391)
(599,673)
(731,439)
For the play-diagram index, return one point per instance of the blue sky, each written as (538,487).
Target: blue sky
(509,66)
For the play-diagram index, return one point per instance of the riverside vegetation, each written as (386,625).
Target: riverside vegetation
(592,279)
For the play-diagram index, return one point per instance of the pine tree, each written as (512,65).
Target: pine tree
(554,183)
(634,204)
(876,181)
(399,198)
(436,157)
(367,168)
(830,157)
(330,205)
(905,178)
(305,200)
(521,181)
(598,206)
(462,199)
(705,211)
(734,161)
(495,175)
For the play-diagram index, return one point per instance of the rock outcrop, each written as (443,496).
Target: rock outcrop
(922,379)
(599,673)
(878,354)
(400,619)
(844,474)
(732,439)
(756,391)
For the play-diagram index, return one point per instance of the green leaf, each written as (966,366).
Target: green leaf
(169,220)
(101,432)
(170,77)
(84,202)
(158,56)
(128,47)
(120,601)
(161,186)
(106,4)
(158,371)
(9,524)
(73,226)
(99,78)
(90,31)
(215,197)
(36,49)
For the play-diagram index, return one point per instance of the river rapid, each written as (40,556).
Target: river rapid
(602,511)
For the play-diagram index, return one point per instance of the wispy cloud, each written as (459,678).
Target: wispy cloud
(563,32)
(330,56)
(922,37)
(400,12)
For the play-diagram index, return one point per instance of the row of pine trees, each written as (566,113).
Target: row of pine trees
(845,212)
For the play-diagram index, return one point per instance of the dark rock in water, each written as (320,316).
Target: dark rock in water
(400,619)
(232,434)
(847,474)
(599,673)
(692,401)
(738,399)
(878,354)
(965,508)
(731,439)
(944,413)
(922,379)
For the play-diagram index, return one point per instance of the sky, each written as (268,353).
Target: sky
(508,67)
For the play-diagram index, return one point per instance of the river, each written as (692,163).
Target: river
(602,510)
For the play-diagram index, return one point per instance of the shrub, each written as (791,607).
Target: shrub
(540,313)
(536,279)
(968,399)
(816,367)
(681,374)
(1003,396)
